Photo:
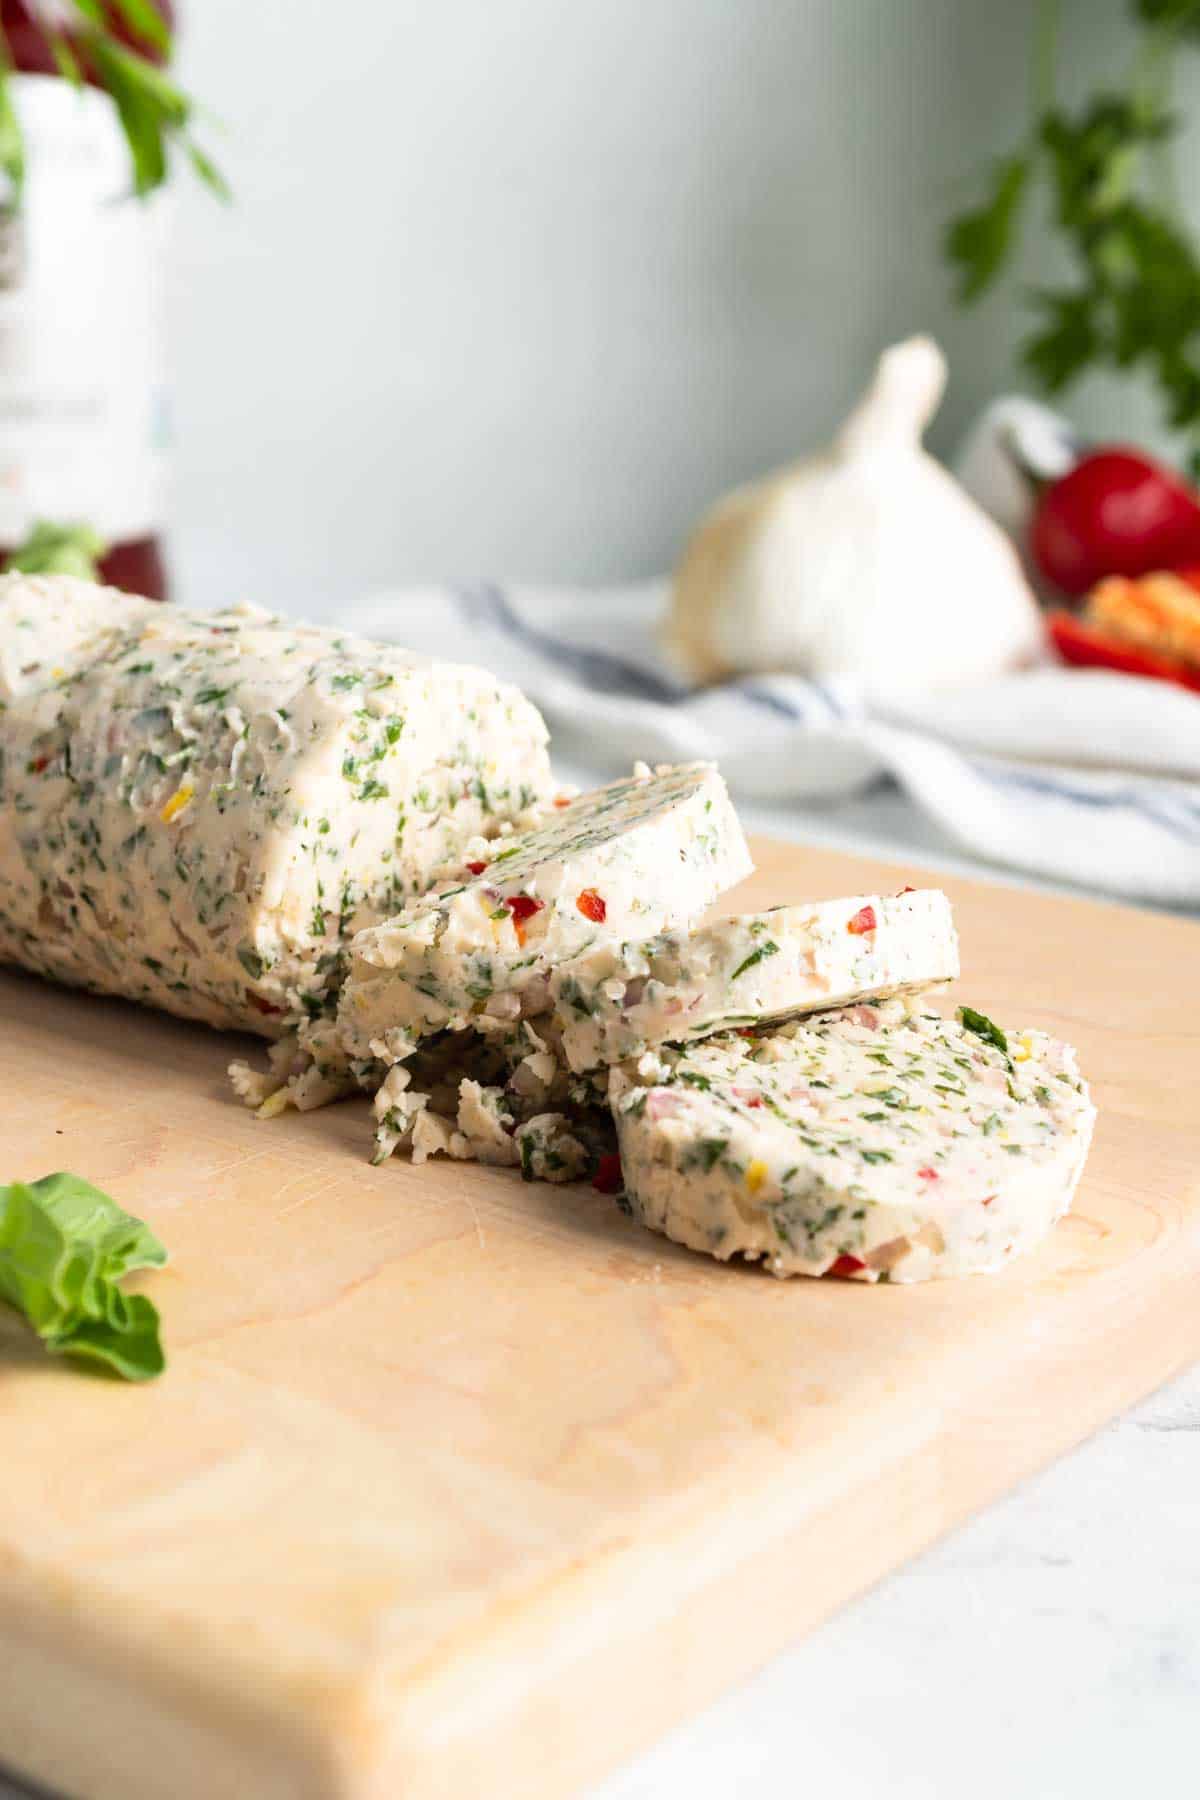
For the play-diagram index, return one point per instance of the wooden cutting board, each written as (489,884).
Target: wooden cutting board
(458,1486)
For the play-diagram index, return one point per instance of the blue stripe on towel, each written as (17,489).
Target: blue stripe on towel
(596,669)
(769,701)
(1174,814)
(605,673)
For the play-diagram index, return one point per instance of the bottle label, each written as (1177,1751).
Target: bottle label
(82,414)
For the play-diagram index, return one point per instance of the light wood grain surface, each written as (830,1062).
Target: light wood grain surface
(460,1486)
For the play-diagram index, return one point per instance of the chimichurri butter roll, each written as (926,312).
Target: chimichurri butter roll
(882,1142)
(623,997)
(197,810)
(628,859)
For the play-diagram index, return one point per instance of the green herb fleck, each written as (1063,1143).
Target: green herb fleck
(756,956)
(983,1027)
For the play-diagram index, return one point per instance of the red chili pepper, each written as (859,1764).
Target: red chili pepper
(608,1178)
(562,799)
(928,1174)
(845,1265)
(263,1006)
(864,920)
(1115,513)
(477,868)
(989,1199)
(1085,647)
(591,905)
(905,890)
(754,1102)
(39,763)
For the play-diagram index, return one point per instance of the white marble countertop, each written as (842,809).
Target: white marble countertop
(1049,1648)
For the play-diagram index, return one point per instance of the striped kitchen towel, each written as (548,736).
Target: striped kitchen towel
(1074,775)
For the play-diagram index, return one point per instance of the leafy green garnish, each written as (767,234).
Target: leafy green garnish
(155,115)
(979,241)
(756,956)
(54,549)
(983,1027)
(64,1246)
(1132,296)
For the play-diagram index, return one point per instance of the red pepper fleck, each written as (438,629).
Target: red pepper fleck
(522,907)
(591,905)
(906,890)
(845,1265)
(477,868)
(928,1174)
(755,1102)
(608,1178)
(562,799)
(263,1006)
(39,763)
(989,1199)
(863,920)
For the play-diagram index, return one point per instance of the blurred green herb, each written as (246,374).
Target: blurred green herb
(90,38)
(52,549)
(1134,300)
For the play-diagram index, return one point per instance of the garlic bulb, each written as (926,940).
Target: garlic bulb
(867,560)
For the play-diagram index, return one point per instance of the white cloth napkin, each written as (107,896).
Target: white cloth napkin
(1075,775)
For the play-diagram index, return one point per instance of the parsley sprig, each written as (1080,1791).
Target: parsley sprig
(1134,298)
(156,115)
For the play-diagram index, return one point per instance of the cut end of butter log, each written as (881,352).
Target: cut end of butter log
(631,859)
(881,1142)
(198,809)
(621,998)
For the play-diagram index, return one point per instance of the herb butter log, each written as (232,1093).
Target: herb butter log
(880,1142)
(628,860)
(196,811)
(621,998)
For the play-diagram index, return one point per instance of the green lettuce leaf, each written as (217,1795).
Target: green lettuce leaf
(64,1246)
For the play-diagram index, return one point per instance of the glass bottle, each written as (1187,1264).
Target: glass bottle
(82,413)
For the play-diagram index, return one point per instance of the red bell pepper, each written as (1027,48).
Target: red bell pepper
(1085,647)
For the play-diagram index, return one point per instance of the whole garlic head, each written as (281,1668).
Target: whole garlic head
(867,560)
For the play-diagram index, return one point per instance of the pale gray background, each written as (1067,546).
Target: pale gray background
(517,287)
